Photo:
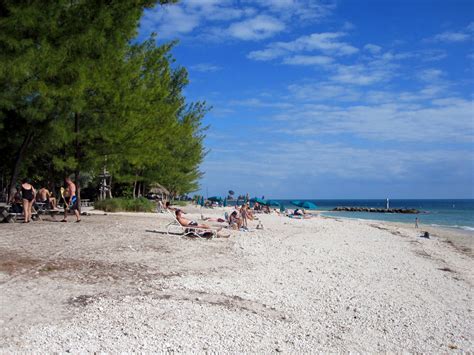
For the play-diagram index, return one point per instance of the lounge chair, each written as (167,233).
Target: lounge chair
(175,228)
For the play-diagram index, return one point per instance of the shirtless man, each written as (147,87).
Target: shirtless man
(187,223)
(71,201)
(45,196)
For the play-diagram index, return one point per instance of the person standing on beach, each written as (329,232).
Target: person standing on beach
(416,222)
(28,194)
(71,201)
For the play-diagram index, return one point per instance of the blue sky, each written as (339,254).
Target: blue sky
(330,99)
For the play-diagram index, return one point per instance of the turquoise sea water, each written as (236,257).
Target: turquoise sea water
(444,213)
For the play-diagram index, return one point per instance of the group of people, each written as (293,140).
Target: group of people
(26,197)
(237,219)
(262,208)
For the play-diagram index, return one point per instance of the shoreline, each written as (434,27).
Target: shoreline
(447,227)
(461,239)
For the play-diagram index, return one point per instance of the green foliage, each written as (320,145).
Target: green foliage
(76,93)
(125,205)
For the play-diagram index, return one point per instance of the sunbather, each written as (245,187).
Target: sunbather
(168,206)
(235,222)
(189,223)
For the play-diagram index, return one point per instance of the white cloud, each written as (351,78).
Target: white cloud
(312,158)
(308,60)
(257,28)
(430,75)
(169,21)
(327,43)
(257,103)
(239,19)
(322,92)
(205,67)
(372,48)
(455,36)
(431,55)
(451,37)
(303,10)
(363,75)
(445,121)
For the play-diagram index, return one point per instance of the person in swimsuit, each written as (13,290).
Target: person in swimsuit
(187,223)
(28,194)
(71,201)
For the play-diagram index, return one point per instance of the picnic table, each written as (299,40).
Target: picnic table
(7,216)
(4,215)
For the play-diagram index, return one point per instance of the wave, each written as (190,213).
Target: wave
(466,228)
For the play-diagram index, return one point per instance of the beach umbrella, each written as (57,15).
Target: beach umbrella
(259,200)
(272,203)
(282,208)
(296,203)
(201,201)
(225,202)
(309,205)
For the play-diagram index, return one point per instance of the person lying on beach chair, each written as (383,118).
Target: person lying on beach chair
(187,223)
(300,214)
(211,219)
(194,229)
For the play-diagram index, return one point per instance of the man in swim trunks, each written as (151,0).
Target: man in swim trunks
(187,223)
(71,201)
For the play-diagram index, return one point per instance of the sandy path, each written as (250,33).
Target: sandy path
(112,284)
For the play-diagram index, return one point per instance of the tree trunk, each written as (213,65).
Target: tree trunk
(18,161)
(110,187)
(77,156)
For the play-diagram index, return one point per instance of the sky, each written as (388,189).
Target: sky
(323,99)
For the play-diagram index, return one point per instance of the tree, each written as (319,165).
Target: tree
(53,54)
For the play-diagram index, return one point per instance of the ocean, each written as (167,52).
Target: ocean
(442,213)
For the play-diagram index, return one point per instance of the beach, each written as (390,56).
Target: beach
(116,282)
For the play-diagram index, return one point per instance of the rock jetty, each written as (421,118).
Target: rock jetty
(376,210)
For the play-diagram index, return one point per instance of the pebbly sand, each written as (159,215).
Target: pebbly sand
(115,283)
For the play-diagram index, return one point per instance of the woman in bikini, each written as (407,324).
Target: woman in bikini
(28,194)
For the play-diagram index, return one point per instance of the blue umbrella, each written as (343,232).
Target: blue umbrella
(225,202)
(201,201)
(259,200)
(309,205)
(304,204)
(282,208)
(272,203)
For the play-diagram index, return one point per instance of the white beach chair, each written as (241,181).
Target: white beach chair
(175,228)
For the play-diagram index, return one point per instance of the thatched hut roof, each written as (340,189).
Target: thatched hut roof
(156,188)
